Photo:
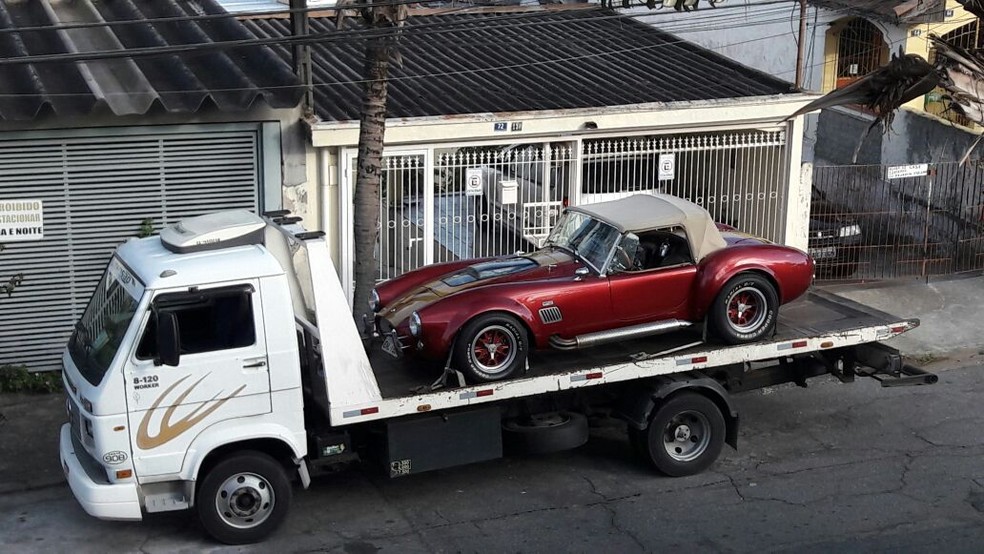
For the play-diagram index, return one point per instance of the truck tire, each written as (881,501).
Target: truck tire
(745,310)
(491,347)
(684,437)
(244,498)
(543,433)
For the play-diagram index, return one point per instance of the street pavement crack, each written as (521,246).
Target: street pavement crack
(734,485)
(606,504)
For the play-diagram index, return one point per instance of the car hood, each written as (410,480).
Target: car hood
(549,263)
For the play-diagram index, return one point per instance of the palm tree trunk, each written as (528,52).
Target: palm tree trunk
(369,173)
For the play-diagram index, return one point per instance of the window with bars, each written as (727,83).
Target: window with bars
(860,50)
(969,38)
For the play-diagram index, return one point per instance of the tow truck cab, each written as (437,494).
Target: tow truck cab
(186,348)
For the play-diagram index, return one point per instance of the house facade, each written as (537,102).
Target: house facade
(843,41)
(501,119)
(112,148)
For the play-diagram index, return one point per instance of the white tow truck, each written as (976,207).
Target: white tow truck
(218,363)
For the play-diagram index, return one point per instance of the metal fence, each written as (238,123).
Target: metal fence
(878,222)
(446,203)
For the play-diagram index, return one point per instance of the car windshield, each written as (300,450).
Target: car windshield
(590,239)
(99,333)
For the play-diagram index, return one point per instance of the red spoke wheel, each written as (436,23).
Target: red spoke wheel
(491,347)
(745,310)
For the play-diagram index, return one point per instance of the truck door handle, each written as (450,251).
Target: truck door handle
(255,364)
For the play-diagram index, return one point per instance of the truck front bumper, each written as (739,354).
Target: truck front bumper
(98,497)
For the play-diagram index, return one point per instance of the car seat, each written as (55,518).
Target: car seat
(647,256)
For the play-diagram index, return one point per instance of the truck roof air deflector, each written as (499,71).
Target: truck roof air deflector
(213,232)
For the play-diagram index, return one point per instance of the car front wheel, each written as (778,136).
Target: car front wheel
(491,347)
(745,310)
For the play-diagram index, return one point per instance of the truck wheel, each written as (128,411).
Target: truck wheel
(244,498)
(745,310)
(684,436)
(542,433)
(491,347)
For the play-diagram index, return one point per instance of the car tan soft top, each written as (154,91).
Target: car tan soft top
(644,212)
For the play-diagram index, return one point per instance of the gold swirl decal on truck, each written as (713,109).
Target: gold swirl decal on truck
(170,431)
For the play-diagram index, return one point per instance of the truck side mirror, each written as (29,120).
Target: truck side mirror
(168,350)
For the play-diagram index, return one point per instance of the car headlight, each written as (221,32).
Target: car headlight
(415,324)
(849,231)
(373,300)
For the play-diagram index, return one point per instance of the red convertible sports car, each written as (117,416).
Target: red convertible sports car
(610,271)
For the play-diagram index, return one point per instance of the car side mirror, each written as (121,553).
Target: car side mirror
(168,349)
(580,272)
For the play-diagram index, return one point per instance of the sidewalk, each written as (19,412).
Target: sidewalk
(951,315)
(951,312)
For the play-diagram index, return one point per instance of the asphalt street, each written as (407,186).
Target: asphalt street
(831,468)
(835,467)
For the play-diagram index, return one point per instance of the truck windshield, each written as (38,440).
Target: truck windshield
(99,333)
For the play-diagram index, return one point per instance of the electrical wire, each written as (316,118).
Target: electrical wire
(435,28)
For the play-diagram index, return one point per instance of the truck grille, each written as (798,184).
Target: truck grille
(550,315)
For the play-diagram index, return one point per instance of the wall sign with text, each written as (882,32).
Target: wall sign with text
(21,220)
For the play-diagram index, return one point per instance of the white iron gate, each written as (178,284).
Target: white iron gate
(740,177)
(447,203)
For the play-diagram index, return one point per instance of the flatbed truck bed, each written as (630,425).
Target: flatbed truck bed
(819,321)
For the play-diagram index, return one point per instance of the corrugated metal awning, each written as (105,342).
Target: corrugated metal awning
(477,63)
(231,79)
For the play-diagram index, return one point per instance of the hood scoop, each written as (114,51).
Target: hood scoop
(488,270)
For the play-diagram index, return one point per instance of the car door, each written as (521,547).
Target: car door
(222,373)
(653,294)
(661,287)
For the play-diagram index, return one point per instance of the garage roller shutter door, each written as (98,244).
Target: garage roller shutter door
(96,192)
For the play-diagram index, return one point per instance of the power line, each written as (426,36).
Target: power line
(438,27)
(434,28)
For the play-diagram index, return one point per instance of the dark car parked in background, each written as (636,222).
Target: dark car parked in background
(835,239)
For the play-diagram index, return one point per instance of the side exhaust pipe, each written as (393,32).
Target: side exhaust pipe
(622,333)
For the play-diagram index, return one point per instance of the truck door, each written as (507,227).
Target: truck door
(222,373)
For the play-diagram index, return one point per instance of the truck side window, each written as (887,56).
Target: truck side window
(207,321)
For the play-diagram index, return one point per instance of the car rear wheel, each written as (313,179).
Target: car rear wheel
(745,310)
(491,347)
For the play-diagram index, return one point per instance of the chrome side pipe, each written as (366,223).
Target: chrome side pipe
(622,333)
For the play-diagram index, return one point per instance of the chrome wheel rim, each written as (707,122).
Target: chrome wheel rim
(493,349)
(687,436)
(747,309)
(245,500)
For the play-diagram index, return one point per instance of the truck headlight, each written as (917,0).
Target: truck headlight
(849,231)
(373,300)
(415,324)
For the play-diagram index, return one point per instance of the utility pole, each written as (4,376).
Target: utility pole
(801,46)
(301,52)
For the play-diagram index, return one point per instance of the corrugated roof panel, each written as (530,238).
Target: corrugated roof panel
(231,79)
(523,61)
(894,11)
